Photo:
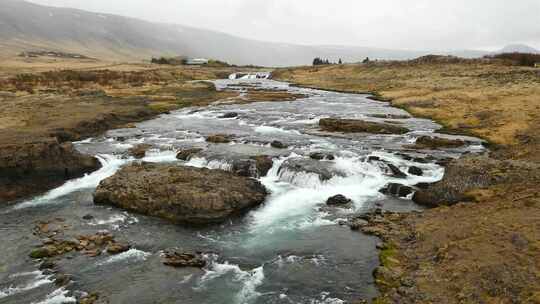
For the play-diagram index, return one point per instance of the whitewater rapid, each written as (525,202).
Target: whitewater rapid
(292,249)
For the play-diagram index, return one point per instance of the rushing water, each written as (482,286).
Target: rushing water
(290,250)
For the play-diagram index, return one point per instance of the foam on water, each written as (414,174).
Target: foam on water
(158,156)
(274,130)
(39,279)
(201,162)
(295,196)
(247,281)
(131,255)
(110,164)
(253,280)
(116,221)
(326,299)
(59,296)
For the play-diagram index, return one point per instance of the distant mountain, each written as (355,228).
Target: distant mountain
(26,26)
(518,48)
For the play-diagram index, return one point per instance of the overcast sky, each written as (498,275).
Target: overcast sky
(411,24)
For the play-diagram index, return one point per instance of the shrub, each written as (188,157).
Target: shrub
(522,59)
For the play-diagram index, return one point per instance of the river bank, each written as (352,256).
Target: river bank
(294,247)
(43,112)
(483,248)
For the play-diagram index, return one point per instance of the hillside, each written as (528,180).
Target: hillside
(26,26)
(519,48)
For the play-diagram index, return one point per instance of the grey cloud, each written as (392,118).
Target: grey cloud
(413,24)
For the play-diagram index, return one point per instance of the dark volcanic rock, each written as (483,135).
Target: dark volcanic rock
(397,190)
(264,164)
(180,194)
(373,158)
(390,116)
(30,168)
(245,167)
(219,139)
(187,154)
(429,142)
(321,156)
(229,115)
(139,151)
(461,175)
(88,217)
(338,200)
(359,126)
(255,166)
(298,166)
(278,145)
(116,248)
(396,172)
(176,259)
(416,171)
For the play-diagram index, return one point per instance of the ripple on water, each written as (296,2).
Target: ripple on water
(326,256)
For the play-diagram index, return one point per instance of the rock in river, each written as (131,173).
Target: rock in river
(416,171)
(139,151)
(180,194)
(397,190)
(430,142)
(278,145)
(187,154)
(321,156)
(219,139)
(29,168)
(177,259)
(229,115)
(359,126)
(255,166)
(338,200)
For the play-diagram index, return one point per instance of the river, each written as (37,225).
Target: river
(290,250)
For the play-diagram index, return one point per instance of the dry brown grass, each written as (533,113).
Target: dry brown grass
(484,251)
(77,101)
(491,100)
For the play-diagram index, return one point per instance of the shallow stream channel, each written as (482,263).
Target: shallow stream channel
(291,249)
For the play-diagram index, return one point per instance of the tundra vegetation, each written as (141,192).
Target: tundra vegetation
(46,108)
(480,244)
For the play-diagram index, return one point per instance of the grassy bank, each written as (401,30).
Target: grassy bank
(485,249)
(46,107)
(474,96)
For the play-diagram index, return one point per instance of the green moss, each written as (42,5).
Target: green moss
(162,107)
(40,253)
(380,300)
(387,256)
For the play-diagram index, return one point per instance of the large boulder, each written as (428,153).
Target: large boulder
(255,166)
(187,154)
(180,194)
(461,176)
(278,145)
(338,200)
(397,190)
(30,168)
(432,143)
(299,167)
(321,156)
(219,139)
(359,126)
(139,151)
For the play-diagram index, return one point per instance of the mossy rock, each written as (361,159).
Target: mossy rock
(40,253)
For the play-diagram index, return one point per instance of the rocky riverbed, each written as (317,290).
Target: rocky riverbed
(280,185)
